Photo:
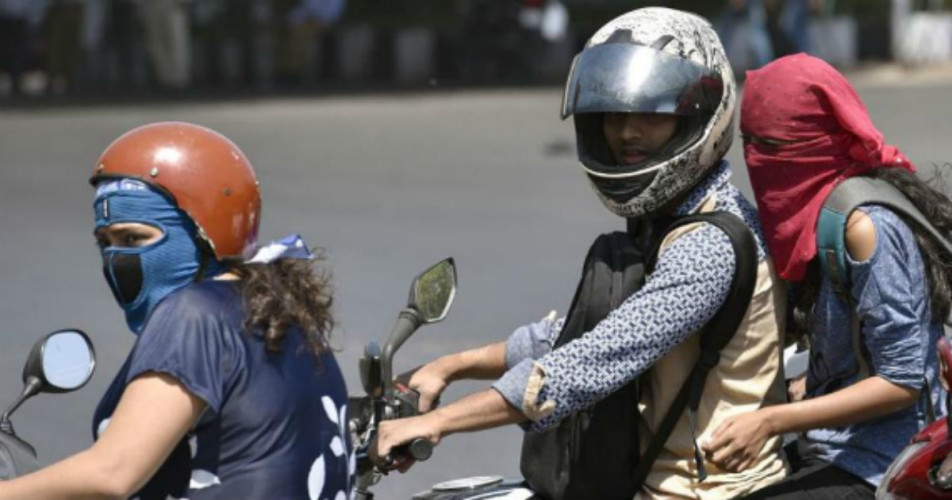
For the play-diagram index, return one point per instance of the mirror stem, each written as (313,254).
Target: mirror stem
(32,388)
(407,323)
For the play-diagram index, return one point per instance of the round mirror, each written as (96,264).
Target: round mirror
(433,291)
(68,360)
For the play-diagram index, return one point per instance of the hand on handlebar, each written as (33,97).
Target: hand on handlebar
(429,381)
(391,434)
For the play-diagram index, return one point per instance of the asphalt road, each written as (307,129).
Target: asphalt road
(386,185)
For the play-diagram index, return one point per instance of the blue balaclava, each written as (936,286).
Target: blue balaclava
(141,277)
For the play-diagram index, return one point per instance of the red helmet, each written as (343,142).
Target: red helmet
(206,175)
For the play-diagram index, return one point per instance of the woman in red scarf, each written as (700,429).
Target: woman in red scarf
(805,130)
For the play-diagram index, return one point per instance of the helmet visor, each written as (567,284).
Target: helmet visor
(624,77)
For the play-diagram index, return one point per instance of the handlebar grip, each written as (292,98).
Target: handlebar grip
(419,449)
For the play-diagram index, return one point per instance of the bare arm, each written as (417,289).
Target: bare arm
(865,400)
(482,363)
(738,441)
(131,449)
(482,410)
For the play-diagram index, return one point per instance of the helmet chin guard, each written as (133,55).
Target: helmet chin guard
(652,60)
(204,173)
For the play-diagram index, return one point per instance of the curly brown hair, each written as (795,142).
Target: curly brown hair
(928,197)
(287,293)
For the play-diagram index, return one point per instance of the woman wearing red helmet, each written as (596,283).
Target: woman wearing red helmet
(230,390)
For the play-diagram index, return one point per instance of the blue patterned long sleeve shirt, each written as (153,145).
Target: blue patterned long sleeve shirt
(688,285)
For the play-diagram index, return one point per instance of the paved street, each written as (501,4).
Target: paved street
(386,185)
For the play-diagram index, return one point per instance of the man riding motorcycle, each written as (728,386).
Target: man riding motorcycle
(652,96)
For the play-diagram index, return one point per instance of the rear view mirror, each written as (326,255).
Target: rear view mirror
(431,295)
(62,361)
(432,291)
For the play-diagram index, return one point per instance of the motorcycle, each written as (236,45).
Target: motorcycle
(62,361)
(431,295)
(923,470)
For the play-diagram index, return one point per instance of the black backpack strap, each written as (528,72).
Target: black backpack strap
(714,336)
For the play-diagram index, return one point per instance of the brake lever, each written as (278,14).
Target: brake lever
(408,399)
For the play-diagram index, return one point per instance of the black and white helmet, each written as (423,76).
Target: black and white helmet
(652,60)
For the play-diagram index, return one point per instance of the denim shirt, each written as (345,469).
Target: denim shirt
(891,293)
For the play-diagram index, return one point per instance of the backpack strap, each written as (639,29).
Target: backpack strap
(714,336)
(845,198)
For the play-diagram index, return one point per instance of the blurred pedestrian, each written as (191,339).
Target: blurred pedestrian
(121,45)
(297,25)
(19,20)
(63,30)
(795,22)
(753,12)
(165,24)
(224,32)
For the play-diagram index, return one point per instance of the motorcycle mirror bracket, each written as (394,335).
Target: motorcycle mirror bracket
(407,323)
(32,387)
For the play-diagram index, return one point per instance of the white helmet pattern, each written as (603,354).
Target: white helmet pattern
(654,60)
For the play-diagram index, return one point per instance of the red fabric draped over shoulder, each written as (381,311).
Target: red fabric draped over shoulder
(805,130)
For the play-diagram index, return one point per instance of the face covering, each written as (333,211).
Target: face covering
(141,277)
(807,132)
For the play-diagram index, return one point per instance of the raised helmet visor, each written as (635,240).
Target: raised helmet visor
(625,77)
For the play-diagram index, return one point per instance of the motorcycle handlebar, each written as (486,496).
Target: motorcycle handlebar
(419,449)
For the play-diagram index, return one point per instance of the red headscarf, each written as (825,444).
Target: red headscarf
(829,137)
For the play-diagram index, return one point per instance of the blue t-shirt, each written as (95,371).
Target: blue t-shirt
(891,294)
(275,427)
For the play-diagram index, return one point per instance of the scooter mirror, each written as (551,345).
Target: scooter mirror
(432,291)
(944,349)
(66,361)
(62,361)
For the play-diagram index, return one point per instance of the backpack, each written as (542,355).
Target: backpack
(594,453)
(831,244)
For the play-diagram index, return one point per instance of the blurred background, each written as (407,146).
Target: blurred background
(391,133)
(140,48)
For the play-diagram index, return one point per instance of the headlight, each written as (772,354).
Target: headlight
(893,470)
